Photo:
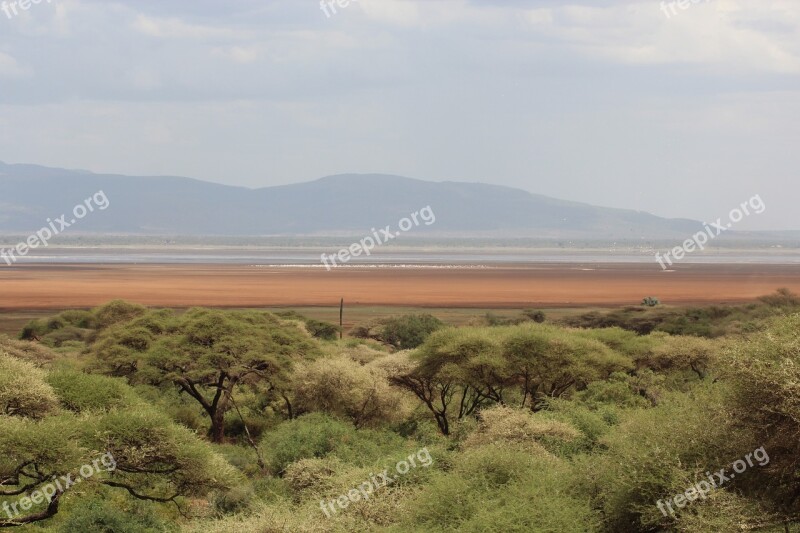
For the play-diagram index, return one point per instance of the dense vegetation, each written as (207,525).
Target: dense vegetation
(251,421)
(712,321)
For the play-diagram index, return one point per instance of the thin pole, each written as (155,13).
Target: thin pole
(341,315)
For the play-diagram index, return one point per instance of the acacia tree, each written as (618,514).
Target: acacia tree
(440,392)
(206,354)
(547,362)
(681,353)
(453,373)
(457,371)
(129,445)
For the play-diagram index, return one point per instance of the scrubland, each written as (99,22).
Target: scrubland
(247,420)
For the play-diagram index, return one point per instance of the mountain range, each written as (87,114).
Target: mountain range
(343,204)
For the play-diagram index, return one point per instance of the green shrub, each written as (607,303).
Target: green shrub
(656,453)
(242,457)
(117,311)
(403,332)
(23,390)
(322,330)
(500,488)
(271,489)
(235,500)
(81,392)
(66,334)
(313,435)
(104,517)
(318,435)
(79,318)
(316,328)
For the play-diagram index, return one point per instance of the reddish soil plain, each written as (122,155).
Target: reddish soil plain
(509,286)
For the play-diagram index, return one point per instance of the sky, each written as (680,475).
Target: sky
(679,111)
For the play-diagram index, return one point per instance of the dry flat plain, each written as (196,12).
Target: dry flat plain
(53,286)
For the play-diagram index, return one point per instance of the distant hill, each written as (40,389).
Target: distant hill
(335,205)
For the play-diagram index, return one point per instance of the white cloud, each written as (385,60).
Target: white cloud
(175,28)
(713,33)
(10,68)
(237,54)
(399,13)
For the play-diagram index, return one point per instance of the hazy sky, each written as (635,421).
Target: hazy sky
(609,102)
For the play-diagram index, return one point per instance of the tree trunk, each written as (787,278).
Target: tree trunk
(217,432)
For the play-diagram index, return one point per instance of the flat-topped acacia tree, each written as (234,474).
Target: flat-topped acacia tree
(206,353)
(457,371)
(54,425)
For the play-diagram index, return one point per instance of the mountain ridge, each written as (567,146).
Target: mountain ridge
(330,205)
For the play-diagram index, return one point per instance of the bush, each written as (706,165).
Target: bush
(535,315)
(318,436)
(322,330)
(311,475)
(500,488)
(656,453)
(79,319)
(313,435)
(618,391)
(117,311)
(81,392)
(316,328)
(344,388)
(504,425)
(64,335)
(31,352)
(781,298)
(23,390)
(33,330)
(682,353)
(403,333)
(103,517)
(765,372)
(235,500)
(492,320)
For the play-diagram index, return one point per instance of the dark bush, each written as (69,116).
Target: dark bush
(535,315)
(402,332)
(322,330)
(409,331)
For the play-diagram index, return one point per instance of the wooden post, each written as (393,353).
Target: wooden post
(341,314)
